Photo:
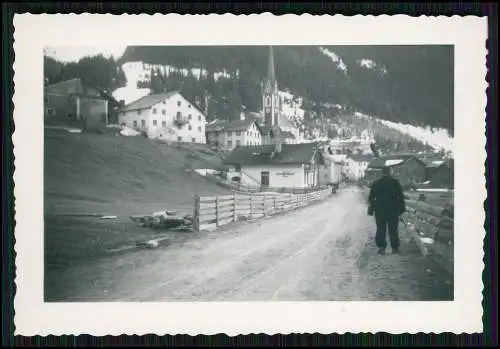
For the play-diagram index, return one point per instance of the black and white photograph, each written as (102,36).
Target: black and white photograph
(249,173)
(267,172)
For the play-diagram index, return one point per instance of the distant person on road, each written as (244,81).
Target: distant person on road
(386,201)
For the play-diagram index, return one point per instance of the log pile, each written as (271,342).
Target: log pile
(432,229)
(168,220)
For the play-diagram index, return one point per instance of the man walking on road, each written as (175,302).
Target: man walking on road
(387,202)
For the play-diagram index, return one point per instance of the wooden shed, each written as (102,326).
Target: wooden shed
(407,168)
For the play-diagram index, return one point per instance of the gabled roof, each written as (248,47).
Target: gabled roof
(215,125)
(236,125)
(361,157)
(290,154)
(287,134)
(391,160)
(73,86)
(148,101)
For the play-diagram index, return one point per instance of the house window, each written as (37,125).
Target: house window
(238,143)
(189,117)
(229,133)
(51,112)
(238,133)
(123,114)
(193,140)
(154,110)
(143,122)
(189,127)
(154,122)
(179,103)
(163,112)
(229,144)
(70,115)
(237,168)
(179,115)
(163,124)
(199,128)
(179,139)
(164,102)
(189,105)
(138,112)
(264,178)
(135,123)
(199,117)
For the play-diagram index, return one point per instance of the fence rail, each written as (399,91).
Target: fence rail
(211,212)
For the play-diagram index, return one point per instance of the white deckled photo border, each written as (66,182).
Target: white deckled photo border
(34,317)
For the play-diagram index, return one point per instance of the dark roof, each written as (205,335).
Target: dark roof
(216,125)
(287,134)
(256,155)
(380,162)
(74,87)
(148,101)
(361,157)
(236,125)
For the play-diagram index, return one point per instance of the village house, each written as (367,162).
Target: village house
(356,165)
(276,166)
(165,115)
(73,103)
(440,173)
(407,168)
(232,134)
(288,137)
(331,172)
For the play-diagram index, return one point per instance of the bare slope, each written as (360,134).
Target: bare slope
(87,173)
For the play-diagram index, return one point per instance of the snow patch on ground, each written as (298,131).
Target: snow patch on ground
(291,108)
(435,137)
(129,132)
(369,64)
(335,58)
(136,72)
(393,162)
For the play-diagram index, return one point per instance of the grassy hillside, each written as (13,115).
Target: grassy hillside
(90,173)
(113,175)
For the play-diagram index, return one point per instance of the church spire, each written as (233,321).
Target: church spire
(270,69)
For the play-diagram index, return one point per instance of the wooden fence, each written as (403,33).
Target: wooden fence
(211,212)
(432,226)
(244,188)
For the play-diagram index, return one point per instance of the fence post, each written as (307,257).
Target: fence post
(274,203)
(196,214)
(251,206)
(234,208)
(217,211)
(265,206)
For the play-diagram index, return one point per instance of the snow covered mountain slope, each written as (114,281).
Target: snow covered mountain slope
(355,127)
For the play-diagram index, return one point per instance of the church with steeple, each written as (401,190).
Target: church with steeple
(270,95)
(277,162)
(271,105)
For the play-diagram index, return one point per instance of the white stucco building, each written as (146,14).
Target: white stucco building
(356,165)
(232,134)
(276,166)
(165,115)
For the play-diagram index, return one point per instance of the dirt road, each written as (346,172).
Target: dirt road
(322,252)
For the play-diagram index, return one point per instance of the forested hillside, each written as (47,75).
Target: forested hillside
(410,84)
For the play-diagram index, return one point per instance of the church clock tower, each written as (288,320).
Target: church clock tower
(270,96)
